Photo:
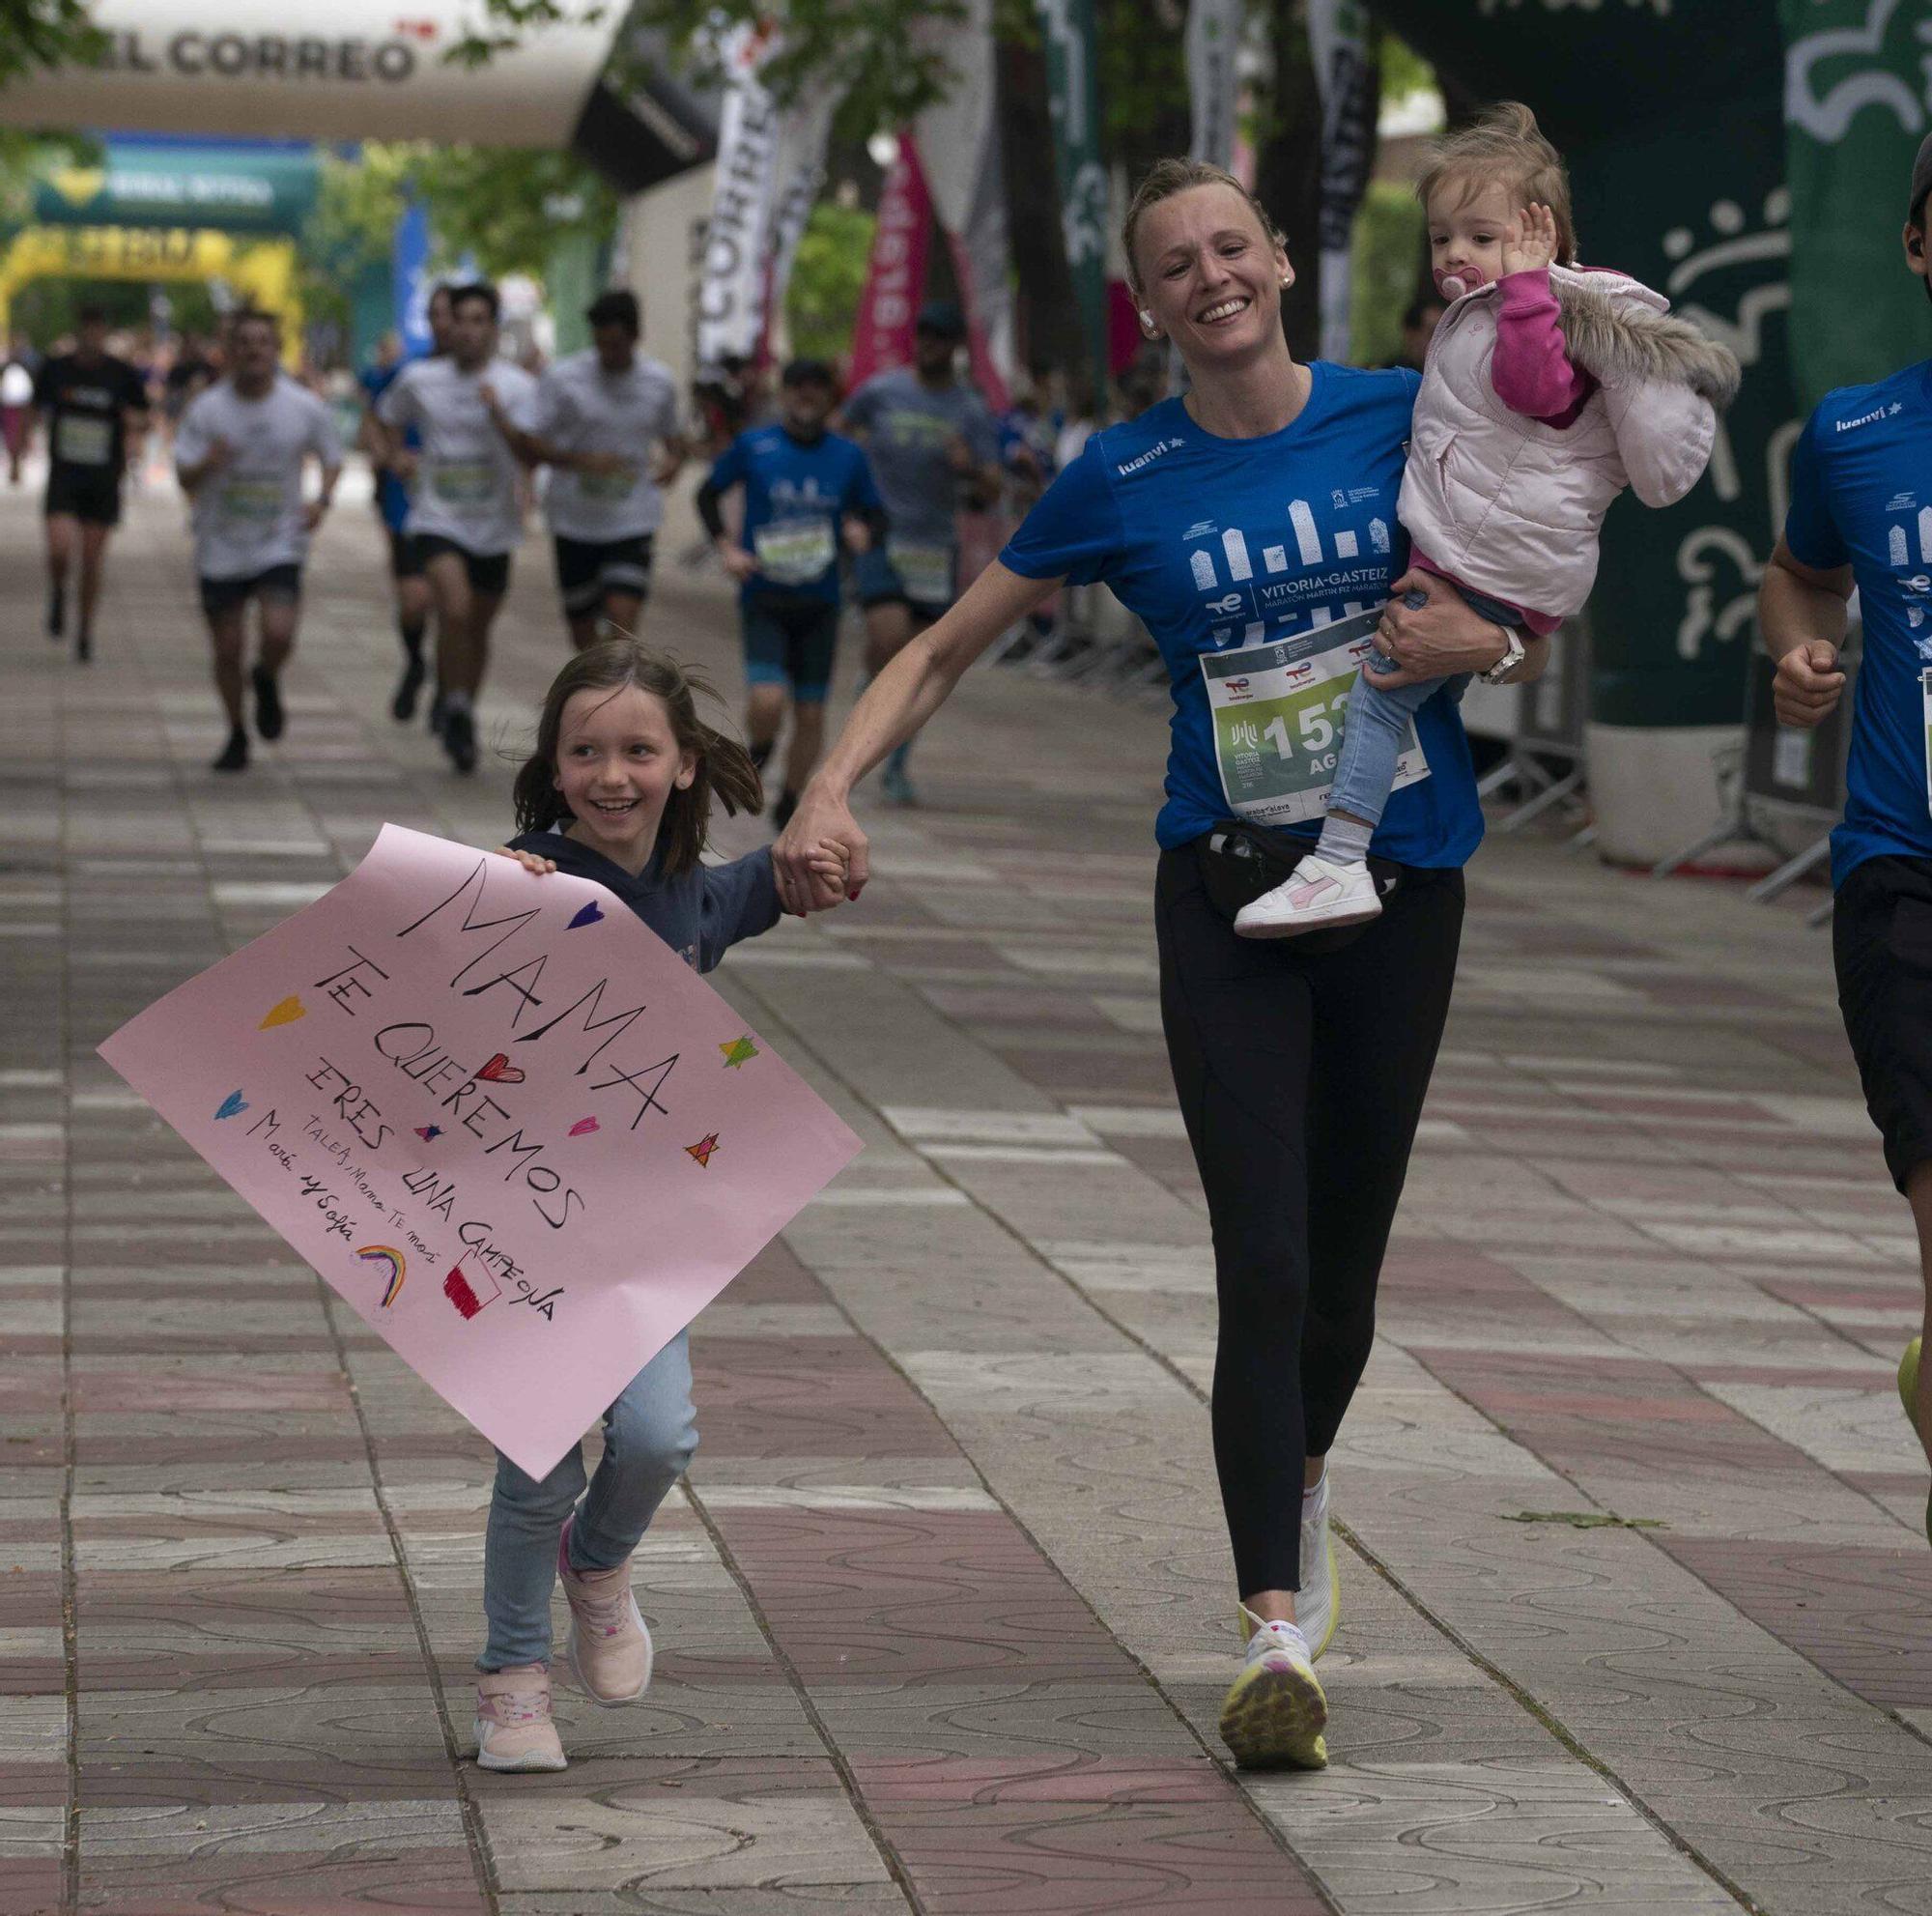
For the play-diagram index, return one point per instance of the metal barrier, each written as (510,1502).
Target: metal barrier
(1779,780)
(1548,759)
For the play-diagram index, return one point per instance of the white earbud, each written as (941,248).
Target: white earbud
(1146,318)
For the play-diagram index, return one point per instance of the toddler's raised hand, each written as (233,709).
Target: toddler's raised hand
(1529,241)
(536,867)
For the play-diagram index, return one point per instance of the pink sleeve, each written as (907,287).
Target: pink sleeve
(1531,370)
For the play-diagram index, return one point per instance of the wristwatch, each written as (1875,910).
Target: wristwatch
(1505,667)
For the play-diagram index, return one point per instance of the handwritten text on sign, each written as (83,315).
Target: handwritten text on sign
(500,1116)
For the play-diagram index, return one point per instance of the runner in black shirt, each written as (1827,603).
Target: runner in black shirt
(95,407)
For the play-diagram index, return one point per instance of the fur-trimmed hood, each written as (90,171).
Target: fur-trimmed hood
(1623,333)
(1513,507)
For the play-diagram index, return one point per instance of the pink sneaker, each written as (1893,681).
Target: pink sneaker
(609,1646)
(513,1727)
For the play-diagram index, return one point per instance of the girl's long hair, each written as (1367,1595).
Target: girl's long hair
(725,768)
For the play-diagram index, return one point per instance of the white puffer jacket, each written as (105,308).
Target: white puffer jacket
(1512,506)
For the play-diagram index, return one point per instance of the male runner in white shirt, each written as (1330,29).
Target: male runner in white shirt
(608,428)
(467,409)
(240,451)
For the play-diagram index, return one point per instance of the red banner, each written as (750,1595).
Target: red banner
(896,277)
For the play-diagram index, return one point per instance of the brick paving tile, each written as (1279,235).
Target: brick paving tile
(943,1618)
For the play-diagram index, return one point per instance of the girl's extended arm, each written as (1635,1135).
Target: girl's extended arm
(896,703)
(1531,370)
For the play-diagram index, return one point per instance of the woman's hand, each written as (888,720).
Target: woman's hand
(1808,684)
(536,867)
(1436,638)
(821,858)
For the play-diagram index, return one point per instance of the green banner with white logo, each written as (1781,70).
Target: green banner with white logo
(229,189)
(1073,91)
(1858,100)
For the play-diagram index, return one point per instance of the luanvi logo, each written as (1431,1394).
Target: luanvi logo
(1147,458)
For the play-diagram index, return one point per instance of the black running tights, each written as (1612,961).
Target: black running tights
(1301,1078)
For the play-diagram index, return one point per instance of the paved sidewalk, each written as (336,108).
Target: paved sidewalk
(1636,1593)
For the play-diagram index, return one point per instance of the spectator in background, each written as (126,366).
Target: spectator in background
(1419,321)
(16,403)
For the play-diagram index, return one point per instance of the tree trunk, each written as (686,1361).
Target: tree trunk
(1287,171)
(1046,313)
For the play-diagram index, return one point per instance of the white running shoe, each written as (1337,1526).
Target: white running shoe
(1274,1712)
(1315,896)
(1318,1603)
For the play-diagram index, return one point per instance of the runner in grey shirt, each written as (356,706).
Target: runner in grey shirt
(933,447)
(239,454)
(608,429)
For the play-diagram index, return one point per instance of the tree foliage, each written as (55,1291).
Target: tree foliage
(39,34)
(506,206)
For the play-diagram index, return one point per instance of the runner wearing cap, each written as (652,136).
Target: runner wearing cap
(95,408)
(934,446)
(470,408)
(804,487)
(606,426)
(240,451)
(1861,516)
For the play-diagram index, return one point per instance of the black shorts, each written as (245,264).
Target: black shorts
(876,581)
(589,569)
(406,559)
(487,571)
(790,642)
(88,493)
(1881,947)
(275,581)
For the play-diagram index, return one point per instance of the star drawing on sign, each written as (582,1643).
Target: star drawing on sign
(703,1149)
(738,1051)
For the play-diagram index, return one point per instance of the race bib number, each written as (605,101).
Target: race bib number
(924,571)
(463,481)
(251,502)
(83,441)
(1278,712)
(607,488)
(794,553)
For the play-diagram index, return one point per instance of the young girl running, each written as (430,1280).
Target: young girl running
(619,789)
(1547,390)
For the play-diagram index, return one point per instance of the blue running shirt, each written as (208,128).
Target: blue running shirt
(1861,495)
(1217,543)
(796,492)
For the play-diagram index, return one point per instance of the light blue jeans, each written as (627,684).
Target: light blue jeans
(1372,739)
(649,1435)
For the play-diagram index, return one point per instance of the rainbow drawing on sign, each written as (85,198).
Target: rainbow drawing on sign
(384,1254)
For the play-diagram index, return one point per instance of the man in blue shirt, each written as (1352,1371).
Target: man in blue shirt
(803,486)
(1861,516)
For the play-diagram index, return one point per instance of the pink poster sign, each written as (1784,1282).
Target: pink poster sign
(509,1125)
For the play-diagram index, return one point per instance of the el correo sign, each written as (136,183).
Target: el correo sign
(317,70)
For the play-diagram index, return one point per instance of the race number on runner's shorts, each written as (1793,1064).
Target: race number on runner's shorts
(1278,711)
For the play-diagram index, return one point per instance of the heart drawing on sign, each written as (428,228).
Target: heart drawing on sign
(589,915)
(285,1013)
(231,1106)
(500,1070)
(583,1127)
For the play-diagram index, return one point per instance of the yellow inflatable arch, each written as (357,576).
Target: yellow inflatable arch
(261,271)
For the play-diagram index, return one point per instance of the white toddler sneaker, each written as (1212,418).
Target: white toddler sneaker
(1317,896)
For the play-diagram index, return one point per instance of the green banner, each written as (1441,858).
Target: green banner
(227,190)
(1857,104)
(1073,89)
